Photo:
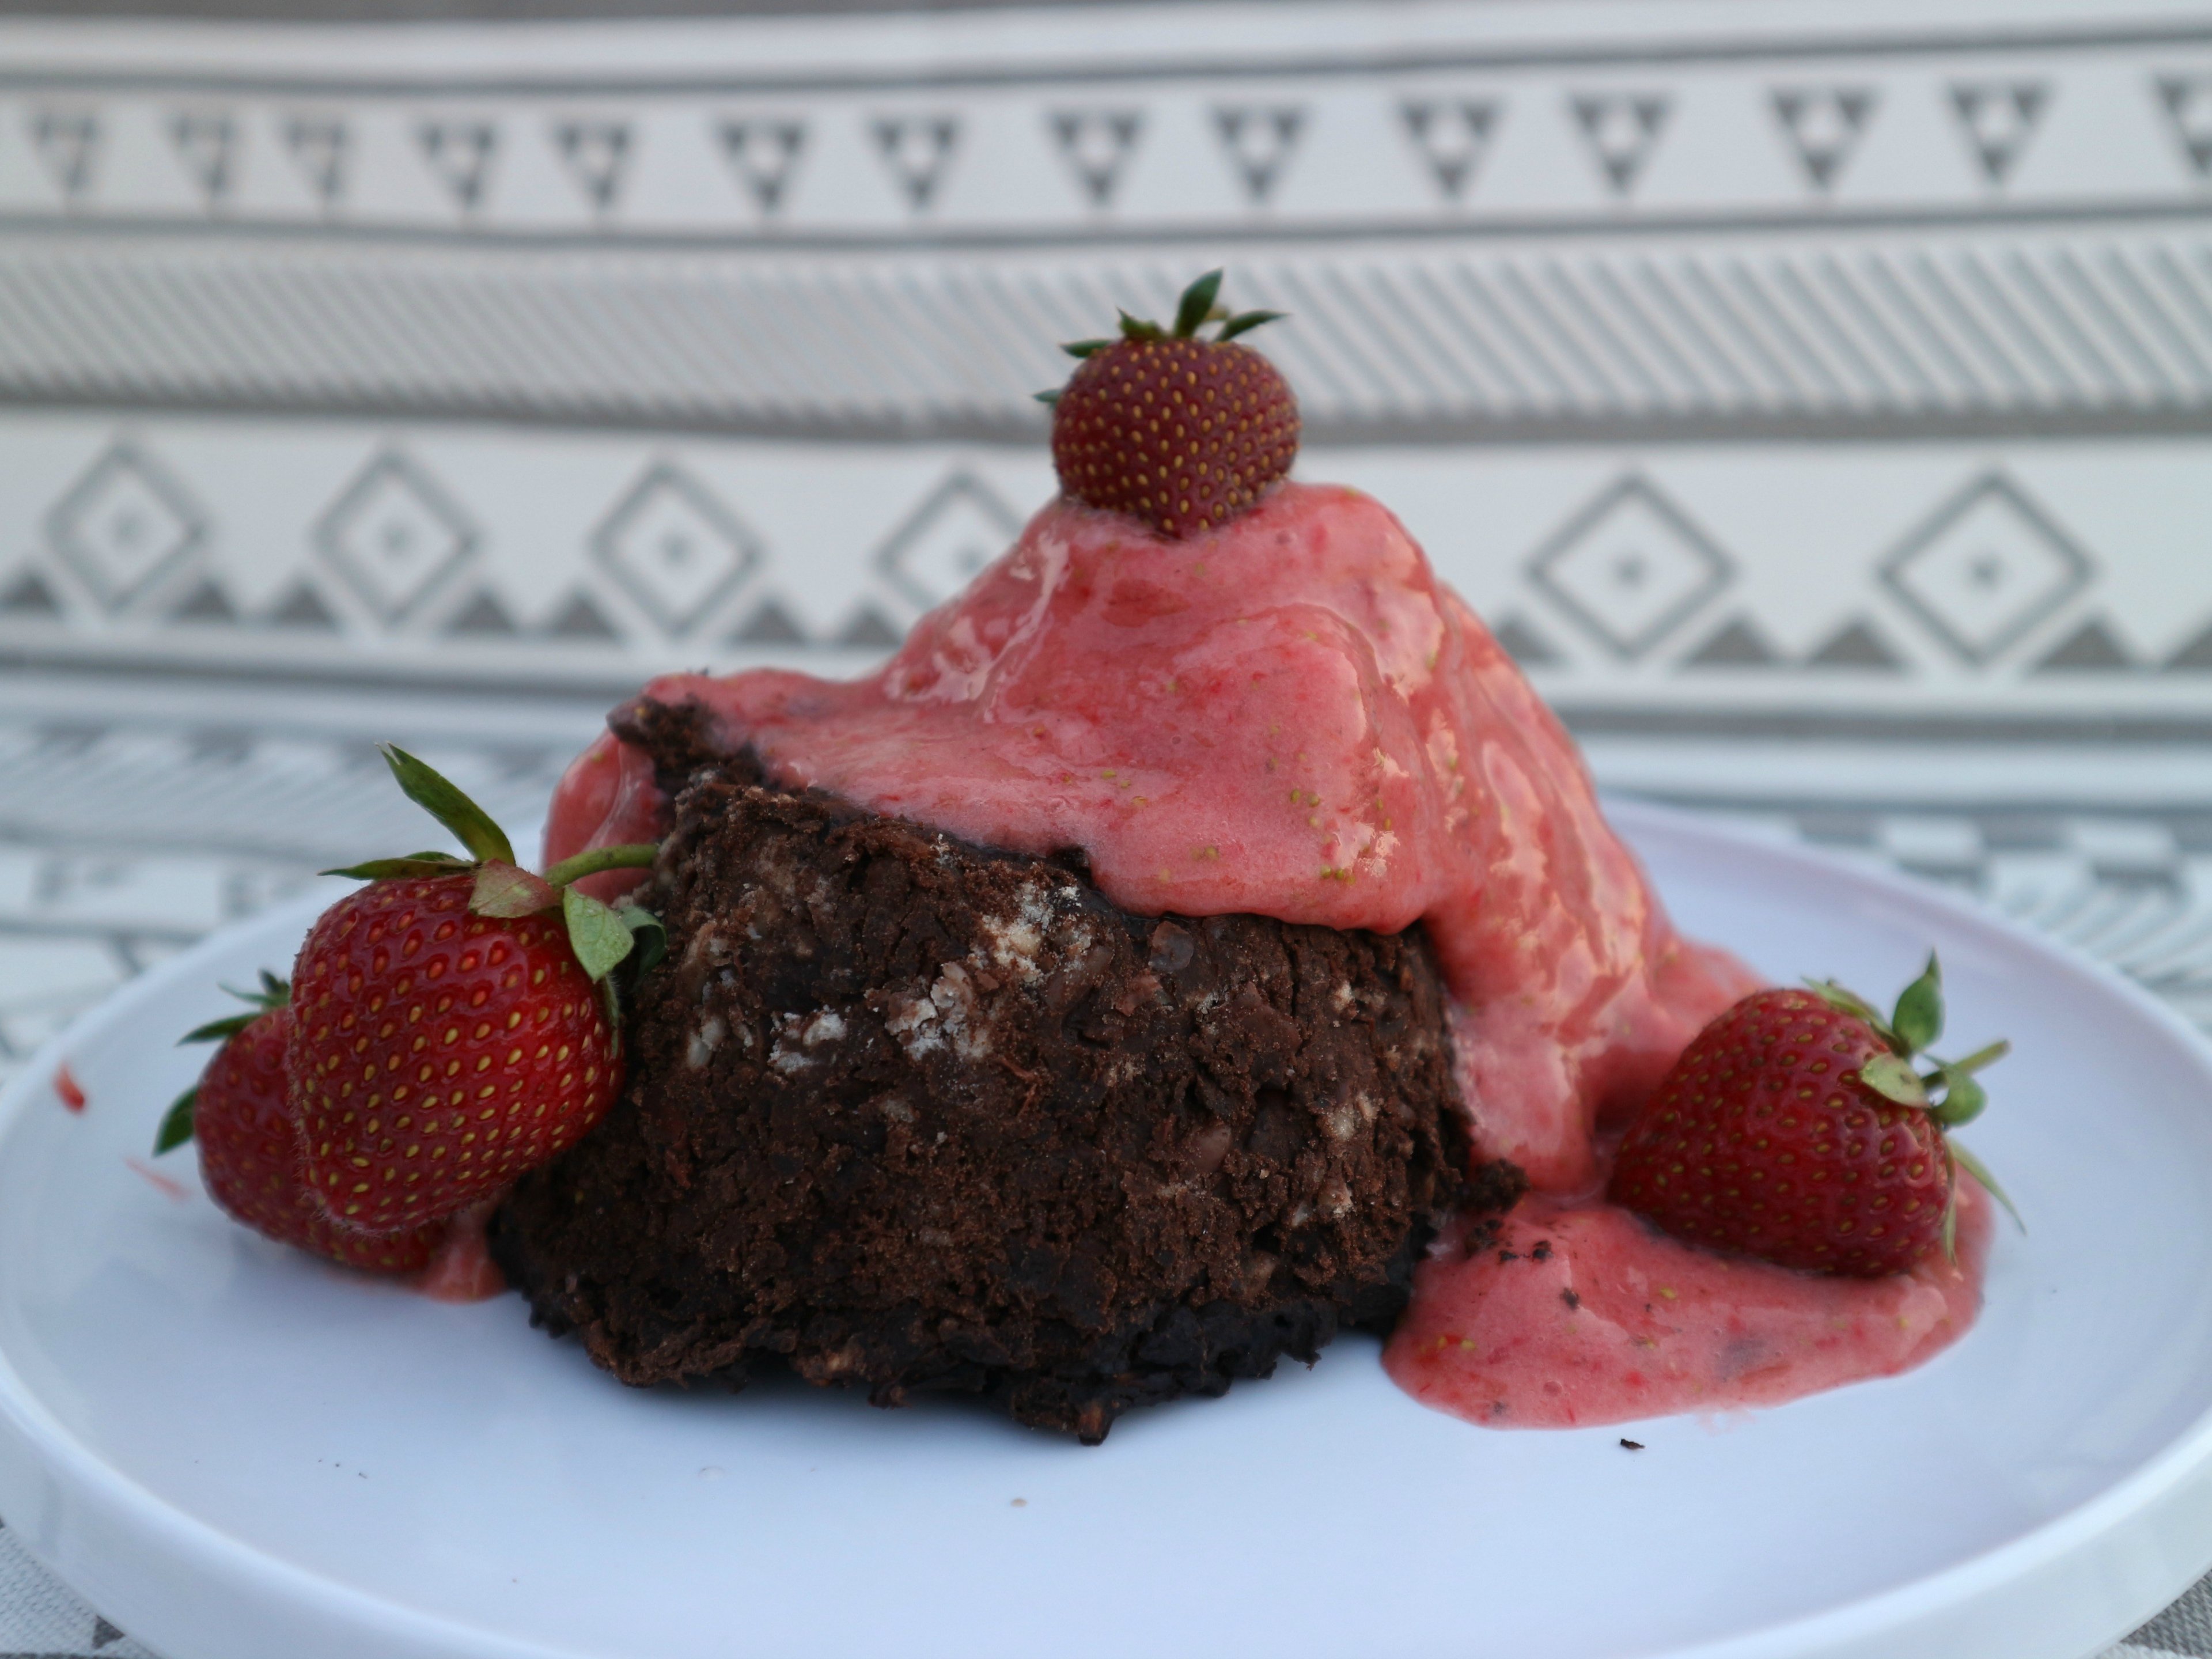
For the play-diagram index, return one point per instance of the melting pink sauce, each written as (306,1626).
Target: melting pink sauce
(1290,716)
(461,1268)
(1578,1314)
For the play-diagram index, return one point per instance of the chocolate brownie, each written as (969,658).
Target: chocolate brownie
(913,1114)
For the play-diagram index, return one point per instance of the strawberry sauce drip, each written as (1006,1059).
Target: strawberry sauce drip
(1288,716)
(461,1269)
(1578,1313)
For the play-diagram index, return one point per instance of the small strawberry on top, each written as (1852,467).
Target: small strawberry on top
(1181,430)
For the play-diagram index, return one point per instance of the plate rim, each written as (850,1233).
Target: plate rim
(36,1449)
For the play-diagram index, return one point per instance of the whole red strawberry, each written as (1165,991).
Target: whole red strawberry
(452,1028)
(249,1148)
(1795,1129)
(1181,431)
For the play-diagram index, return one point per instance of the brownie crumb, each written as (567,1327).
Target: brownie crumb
(1542,1252)
(1632,1445)
(1569,1296)
(911,1116)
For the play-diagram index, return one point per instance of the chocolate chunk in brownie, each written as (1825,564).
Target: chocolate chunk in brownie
(912,1114)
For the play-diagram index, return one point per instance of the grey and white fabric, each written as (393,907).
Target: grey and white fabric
(1817,400)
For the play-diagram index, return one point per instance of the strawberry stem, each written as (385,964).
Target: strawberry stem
(594,860)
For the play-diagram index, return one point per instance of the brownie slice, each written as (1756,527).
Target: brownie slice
(911,1114)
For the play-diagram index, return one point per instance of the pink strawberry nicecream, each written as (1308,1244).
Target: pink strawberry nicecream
(1289,716)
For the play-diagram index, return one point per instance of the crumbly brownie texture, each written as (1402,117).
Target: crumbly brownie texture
(914,1115)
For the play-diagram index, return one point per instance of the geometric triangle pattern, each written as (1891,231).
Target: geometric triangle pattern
(763,153)
(460,154)
(1258,140)
(768,624)
(597,153)
(916,151)
(29,596)
(2187,101)
(1855,645)
(68,145)
(1823,124)
(2194,658)
(1621,129)
(1525,644)
(2090,648)
(205,144)
(207,603)
(1998,118)
(868,628)
(1738,645)
(302,607)
(483,618)
(1453,135)
(579,619)
(1096,145)
(319,148)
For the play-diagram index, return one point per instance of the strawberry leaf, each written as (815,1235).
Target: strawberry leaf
(442,799)
(503,890)
(1245,322)
(416,864)
(1918,1020)
(610,1006)
(1963,1099)
(273,993)
(177,1122)
(1980,1058)
(1980,1171)
(645,928)
(219,1030)
(1047,398)
(1136,328)
(1850,1001)
(1197,301)
(1085,348)
(1888,1076)
(597,934)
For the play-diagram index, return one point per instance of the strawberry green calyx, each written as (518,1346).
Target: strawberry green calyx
(271,993)
(602,935)
(1193,312)
(1948,1090)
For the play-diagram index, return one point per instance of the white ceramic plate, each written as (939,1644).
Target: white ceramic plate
(239,1454)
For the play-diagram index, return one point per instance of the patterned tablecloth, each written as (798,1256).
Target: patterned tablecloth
(1819,404)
